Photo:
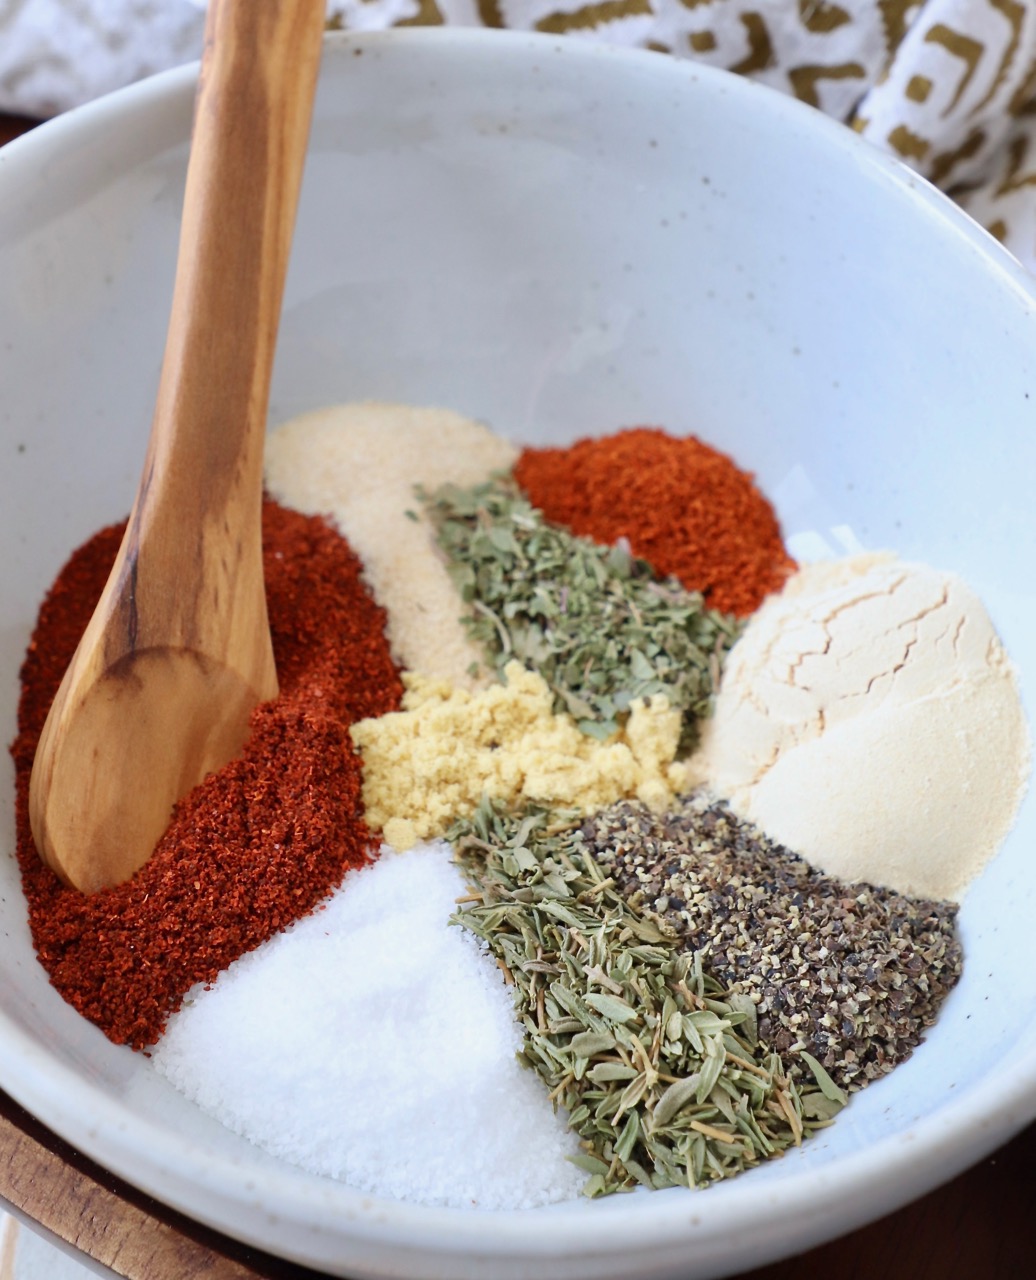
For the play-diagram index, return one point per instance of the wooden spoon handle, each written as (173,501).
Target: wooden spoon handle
(260,67)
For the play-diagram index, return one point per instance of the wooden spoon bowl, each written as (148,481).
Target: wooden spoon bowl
(178,653)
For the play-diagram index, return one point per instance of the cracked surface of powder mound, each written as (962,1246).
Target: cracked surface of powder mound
(358,464)
(869,719)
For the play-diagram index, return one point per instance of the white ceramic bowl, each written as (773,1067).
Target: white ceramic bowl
(560,239)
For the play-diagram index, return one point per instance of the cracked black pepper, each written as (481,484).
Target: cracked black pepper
(852,974)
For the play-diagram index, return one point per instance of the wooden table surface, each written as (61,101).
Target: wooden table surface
(977,1227)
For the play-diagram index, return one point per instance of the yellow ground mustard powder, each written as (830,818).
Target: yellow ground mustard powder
(432,761)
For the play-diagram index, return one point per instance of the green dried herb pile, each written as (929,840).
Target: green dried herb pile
(598,624)
(660,1069)
(853,974)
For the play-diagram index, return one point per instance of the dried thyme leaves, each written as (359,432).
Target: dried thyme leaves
(659,1068)
(850,974)
(597,623)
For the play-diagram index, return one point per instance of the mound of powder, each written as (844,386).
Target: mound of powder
(683,506)
(358,464)
(374,1043)
(258,843)
(434,760)
(869,719)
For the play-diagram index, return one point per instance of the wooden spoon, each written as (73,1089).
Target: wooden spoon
(178,653)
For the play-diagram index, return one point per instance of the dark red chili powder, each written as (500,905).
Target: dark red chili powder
(256,845)
(683,506)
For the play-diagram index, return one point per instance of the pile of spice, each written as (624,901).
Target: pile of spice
(850,973)
(661,1070)
(257,844)
(435,760)
(371,1043)
(346,462)
(695,997)
(683,506)
(600,626)
(870,720)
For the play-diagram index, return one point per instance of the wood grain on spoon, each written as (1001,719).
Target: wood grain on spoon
(178,652)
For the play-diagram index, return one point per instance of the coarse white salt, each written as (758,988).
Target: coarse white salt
(375,1043)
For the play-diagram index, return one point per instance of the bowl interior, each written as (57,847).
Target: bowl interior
(561,240)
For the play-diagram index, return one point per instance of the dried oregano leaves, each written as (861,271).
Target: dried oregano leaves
(659,1068)
(597,623)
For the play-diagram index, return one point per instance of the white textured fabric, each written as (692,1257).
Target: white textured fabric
(57,54)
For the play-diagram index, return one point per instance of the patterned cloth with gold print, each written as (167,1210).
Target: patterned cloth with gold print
(949,86)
